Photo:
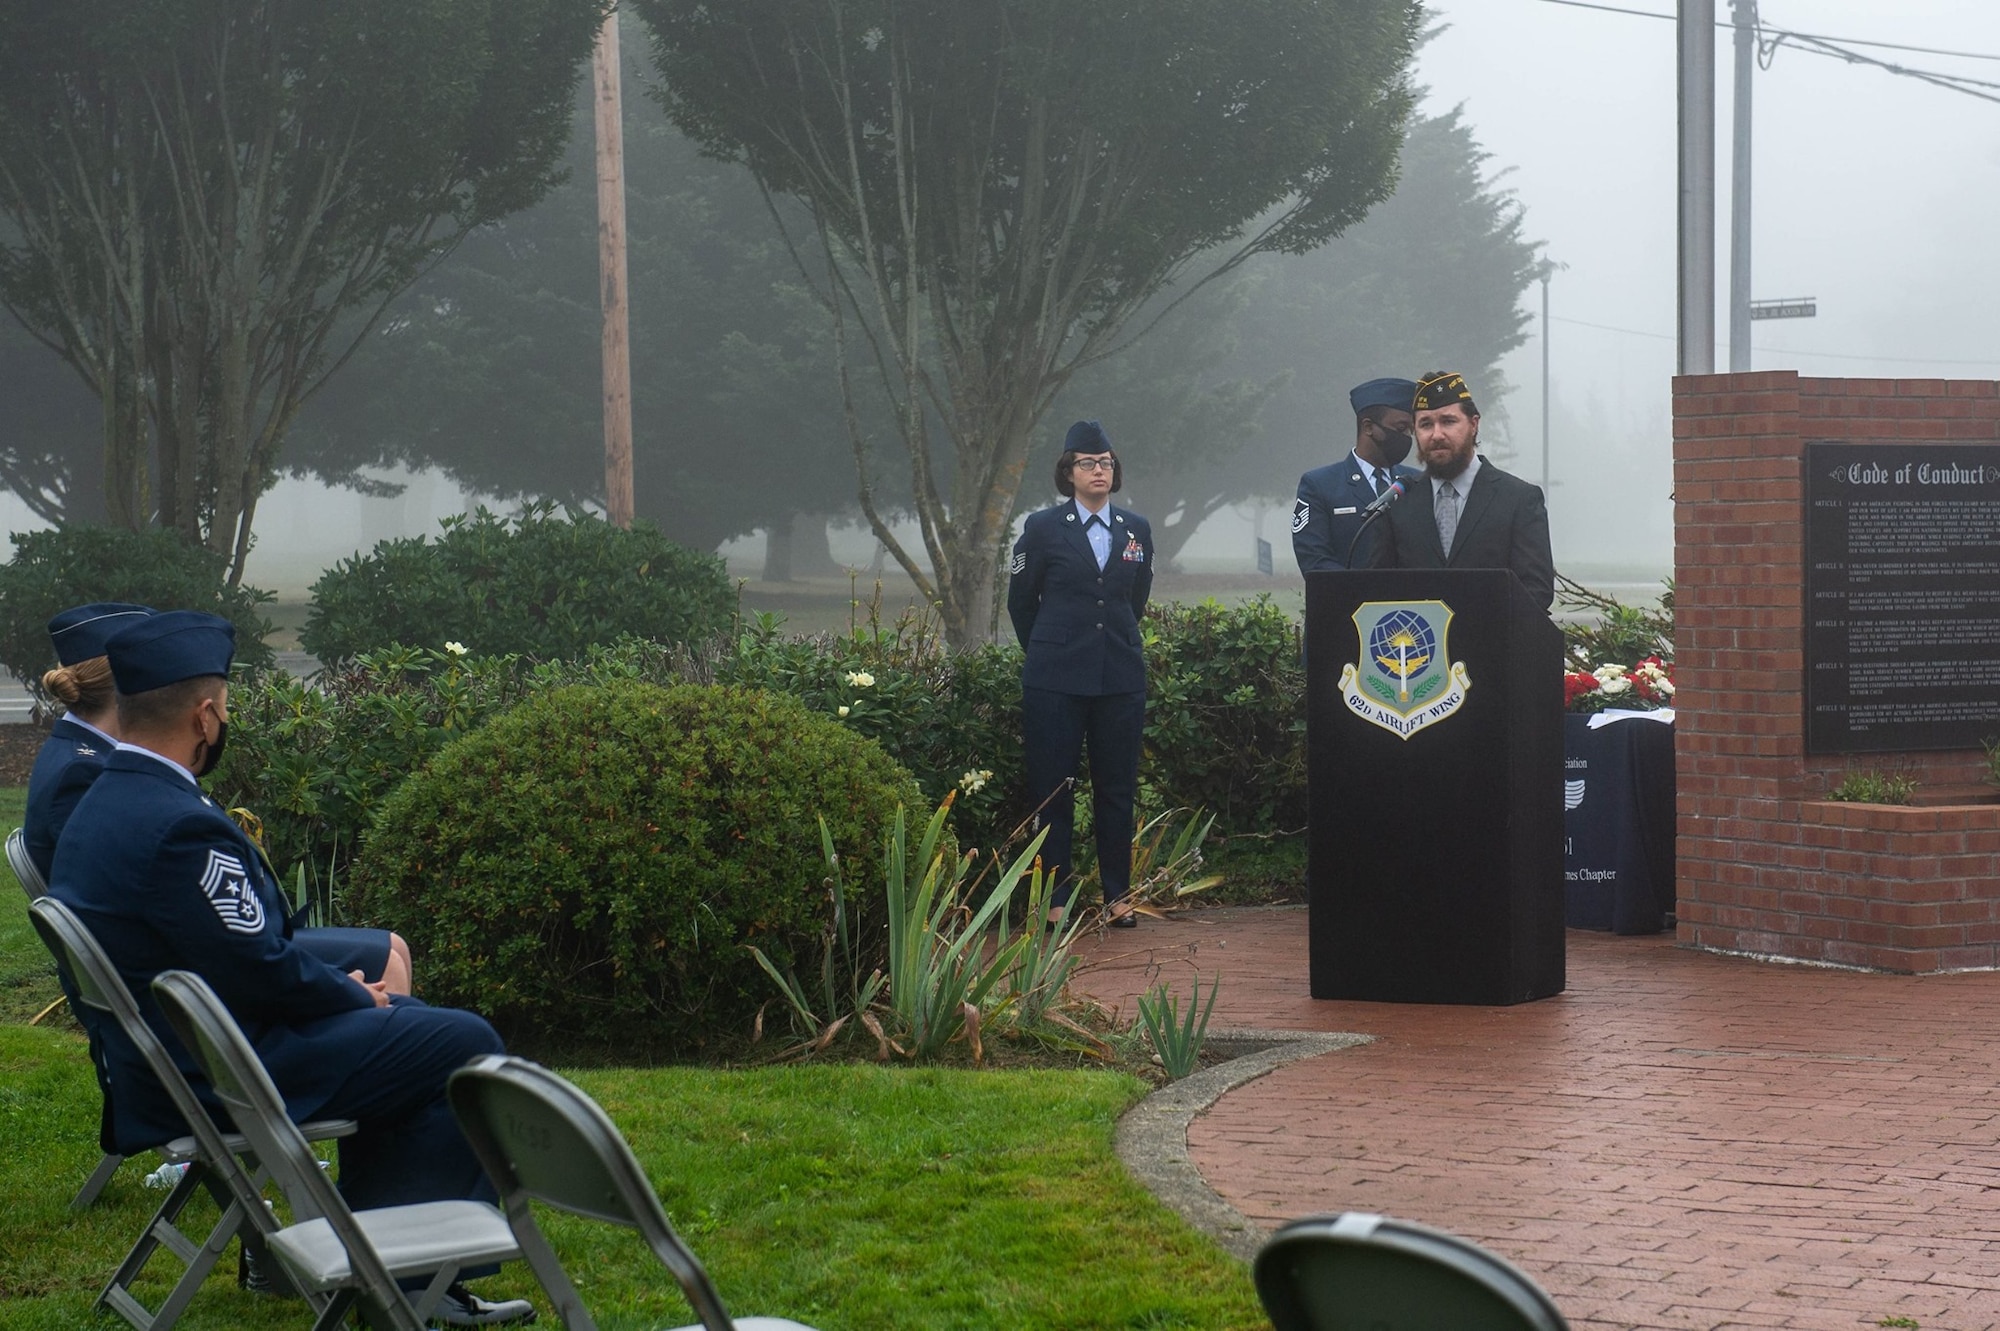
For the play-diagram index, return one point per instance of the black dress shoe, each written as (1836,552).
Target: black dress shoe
(1128,920)
(461,1307)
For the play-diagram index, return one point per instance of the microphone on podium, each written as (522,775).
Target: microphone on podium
(1375,509)
(1386,498)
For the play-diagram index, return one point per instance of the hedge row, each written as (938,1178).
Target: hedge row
(1225,724)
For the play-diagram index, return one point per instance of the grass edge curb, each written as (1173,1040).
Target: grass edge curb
(1152,1135)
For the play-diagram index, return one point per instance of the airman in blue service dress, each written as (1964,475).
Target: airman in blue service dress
(1077,590)
(69,760)
(1333,500)
(164,879)
(74,753)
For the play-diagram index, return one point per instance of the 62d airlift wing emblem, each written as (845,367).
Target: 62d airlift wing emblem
(1404,679)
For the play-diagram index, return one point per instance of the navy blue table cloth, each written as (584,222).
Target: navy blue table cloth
(1618,820)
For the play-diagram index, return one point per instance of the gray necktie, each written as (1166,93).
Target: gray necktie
(1447,517)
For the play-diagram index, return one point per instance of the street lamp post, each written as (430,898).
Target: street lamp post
(1697,187)
(1745,15)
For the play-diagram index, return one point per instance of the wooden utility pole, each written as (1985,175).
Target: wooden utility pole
(611,277)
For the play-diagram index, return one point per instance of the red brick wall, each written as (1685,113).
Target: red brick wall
(1766,865)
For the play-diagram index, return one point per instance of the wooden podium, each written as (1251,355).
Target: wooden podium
(1434,720)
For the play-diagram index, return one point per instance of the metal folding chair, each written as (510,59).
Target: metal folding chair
(541,1139)
(356,1257)
(218,1163)
(31,881)
(23,867)
(1360,1272)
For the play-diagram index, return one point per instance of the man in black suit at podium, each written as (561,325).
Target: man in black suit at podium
(1465,512)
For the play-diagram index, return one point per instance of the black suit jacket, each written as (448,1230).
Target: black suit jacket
(1504,525)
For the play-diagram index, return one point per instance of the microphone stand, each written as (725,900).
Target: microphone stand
(1375,510)
(1349,561)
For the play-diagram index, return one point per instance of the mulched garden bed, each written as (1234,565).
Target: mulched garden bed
(18,745)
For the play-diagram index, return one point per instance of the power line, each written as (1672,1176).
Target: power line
(1817,36)
(1612,9)
(1787,351)
(1835,48)
(1819,46)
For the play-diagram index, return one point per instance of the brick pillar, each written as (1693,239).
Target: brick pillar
(1765,865)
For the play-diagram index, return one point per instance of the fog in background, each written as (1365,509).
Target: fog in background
(1872,192)
(1872,196)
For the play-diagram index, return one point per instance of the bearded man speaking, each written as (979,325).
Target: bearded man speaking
(1465,512)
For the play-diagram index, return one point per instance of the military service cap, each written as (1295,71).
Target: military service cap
(1397,393)
(1443,388)
(80,632)
(168,648)
(1086,437)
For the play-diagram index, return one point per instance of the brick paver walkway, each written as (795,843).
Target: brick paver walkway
(1680,1140)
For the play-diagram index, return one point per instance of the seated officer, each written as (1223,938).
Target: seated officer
(74,754)
(81,739)
(71,758)
(164,880)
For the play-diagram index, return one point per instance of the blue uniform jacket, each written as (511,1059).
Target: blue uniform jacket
(1080,624)
(70,759)
(164,879)
(1327,513)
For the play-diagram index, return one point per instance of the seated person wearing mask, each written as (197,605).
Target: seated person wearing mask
(166,880)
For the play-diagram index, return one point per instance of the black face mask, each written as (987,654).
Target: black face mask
(1393,447)
(214,751)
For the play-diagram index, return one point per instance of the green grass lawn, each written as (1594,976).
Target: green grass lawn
(843,1196)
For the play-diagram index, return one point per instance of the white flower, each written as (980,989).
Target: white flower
(1613,687)
(1664,687)
(974,779)
(455,648)
(1606,673)
(842,712)
(861,679)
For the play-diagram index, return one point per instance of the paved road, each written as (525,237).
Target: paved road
(1680,1140)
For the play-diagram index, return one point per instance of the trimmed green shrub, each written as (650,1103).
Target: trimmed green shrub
(590,864)
(538,584)
(312,761)
(1225,714)
(65,566)
(952,718)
